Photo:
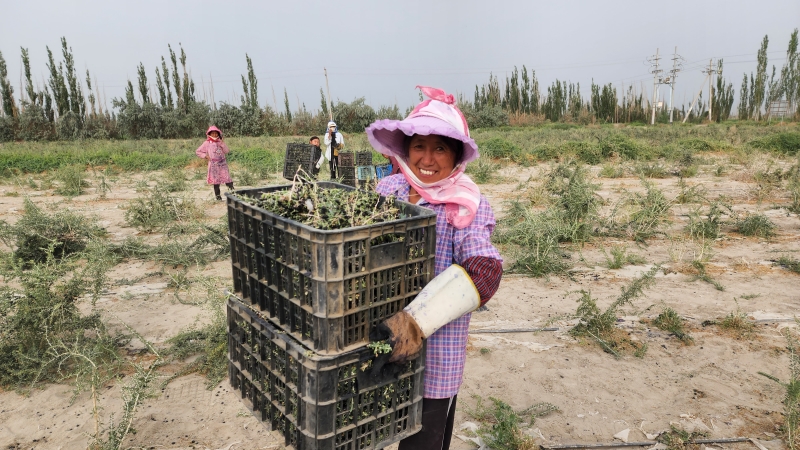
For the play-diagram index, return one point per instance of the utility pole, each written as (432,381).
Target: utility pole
(677,63)
(710,74)
(654,62)
(328,89)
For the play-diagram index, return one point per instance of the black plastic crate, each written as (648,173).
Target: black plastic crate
(318,402)
(364,158)
(348,175)
(297,155)
(347,159)
(328,288)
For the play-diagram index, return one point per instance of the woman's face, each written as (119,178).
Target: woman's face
(214,135)
(430,158)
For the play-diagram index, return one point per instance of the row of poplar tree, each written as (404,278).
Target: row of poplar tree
(62,109)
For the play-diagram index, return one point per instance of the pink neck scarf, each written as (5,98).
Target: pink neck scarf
(458,192)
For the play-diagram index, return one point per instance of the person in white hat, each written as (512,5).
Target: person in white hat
(334,142)
(432,147)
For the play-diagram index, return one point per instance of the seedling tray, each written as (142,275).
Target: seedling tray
(328,288)
(319,402)
(300,155)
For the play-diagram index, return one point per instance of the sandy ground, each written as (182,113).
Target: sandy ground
(711,386)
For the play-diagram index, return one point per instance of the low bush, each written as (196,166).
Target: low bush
(36,233)
(208,342)
(498,147)
(786,143)
(600,326)
(482,171)
(670,321)
(620,257)
(157,208)
(40,313)
(71,180)
(755,225)
(500,423)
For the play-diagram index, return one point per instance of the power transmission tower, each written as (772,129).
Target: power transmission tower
(710,75)
(656,80)
(677,65)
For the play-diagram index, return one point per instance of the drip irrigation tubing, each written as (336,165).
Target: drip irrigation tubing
(511,330)
(640,444)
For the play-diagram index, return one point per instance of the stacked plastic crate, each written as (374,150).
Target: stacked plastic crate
(298,332)
(347,168)
(300,156)
(356,169)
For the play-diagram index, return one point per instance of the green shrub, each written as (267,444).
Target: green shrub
(173,180)
(576,199)
(209,343)
(690,194)
(612,171)
(789,263)
(482,171)
(600,326)
(487,117)
(787,143)
(71,180)
(36,232)
(708,227)
(623,146)
(157,208)
(697,144)
(500,423)
(497,147)
(547,152)
(39,310)
(755,225)
(670,321)
(534,238)
(651,170)
(620,257)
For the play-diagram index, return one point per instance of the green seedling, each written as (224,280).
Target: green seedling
(379,347)
(670,321)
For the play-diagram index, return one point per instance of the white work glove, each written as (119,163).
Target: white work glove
(450,295)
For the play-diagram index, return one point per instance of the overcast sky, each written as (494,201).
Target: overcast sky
(381,50)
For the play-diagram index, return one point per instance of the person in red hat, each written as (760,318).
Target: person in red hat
(431,147)
(215,151)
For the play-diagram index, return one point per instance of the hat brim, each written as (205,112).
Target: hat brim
(387,136)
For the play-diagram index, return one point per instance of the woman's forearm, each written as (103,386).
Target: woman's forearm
(486,274)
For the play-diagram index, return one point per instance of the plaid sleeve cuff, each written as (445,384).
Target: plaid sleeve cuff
(485,273)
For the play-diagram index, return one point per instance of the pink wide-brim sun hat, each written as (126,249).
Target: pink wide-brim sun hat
(437,115)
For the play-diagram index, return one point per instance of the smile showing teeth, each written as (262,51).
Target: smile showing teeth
(426,172)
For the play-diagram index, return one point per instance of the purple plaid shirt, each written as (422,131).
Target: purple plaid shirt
(447,348)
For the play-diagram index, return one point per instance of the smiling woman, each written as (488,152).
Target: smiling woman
(432,147)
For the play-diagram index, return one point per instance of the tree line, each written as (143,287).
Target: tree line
(68,106)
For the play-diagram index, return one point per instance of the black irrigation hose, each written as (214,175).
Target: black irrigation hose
(512,330)
(640,444)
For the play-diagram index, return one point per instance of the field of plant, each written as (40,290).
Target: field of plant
(663,260)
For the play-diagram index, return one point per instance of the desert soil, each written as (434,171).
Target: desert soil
(711,386)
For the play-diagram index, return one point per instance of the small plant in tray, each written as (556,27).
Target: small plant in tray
(327,209)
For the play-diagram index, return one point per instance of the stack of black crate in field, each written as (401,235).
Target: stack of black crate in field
(306,300)
(356,169)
